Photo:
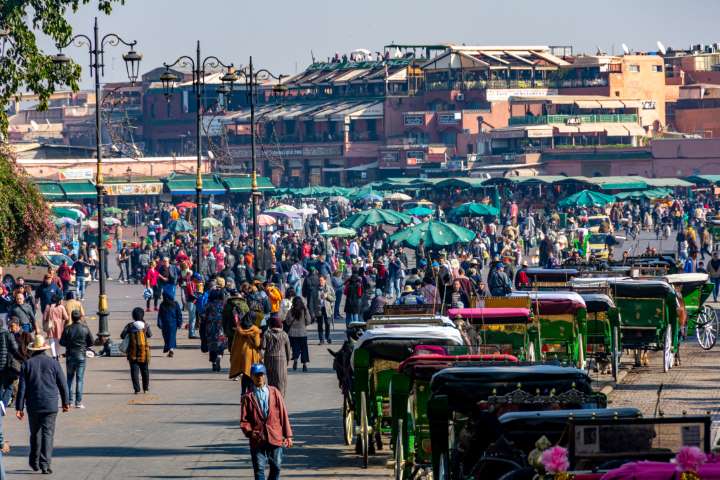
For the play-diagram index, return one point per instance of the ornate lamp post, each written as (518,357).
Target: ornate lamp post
(168,79)
(251,78)
(96,48)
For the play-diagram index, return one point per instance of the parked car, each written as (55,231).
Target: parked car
(34,272)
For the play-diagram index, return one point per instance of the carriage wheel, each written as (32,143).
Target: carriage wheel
(615,354)
(531,353)
(399,453)
(364,429)
(348,422)
(668,355)
(581,352)
(444,467)
(706,327)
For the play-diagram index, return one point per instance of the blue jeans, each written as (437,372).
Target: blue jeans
(263,456)
(352,317)
(80,281)
(716,282)
(75,373)
(338,297)
(191,309)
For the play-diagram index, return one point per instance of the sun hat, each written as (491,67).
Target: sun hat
(38,344)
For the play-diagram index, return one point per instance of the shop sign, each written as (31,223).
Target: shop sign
(449,118)
(76,174)
(298,151)
(414,120)
(417,155)
(502,94)
(390,157)
(150,188)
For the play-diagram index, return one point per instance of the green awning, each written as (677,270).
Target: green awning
(79,189)
(468,182)
(623,186)
(668,183)
(51,190)
(244,184)
(704,179)
(185,185)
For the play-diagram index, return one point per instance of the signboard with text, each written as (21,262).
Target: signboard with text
(501,94)
(149,188)
(414,120)
(294,152)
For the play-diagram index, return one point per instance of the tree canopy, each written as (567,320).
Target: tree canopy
(23,65)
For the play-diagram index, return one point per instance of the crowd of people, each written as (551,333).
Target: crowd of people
(259,308)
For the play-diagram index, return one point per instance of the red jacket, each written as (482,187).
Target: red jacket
(260,430)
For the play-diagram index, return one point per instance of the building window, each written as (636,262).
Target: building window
(634,68)
(657,68)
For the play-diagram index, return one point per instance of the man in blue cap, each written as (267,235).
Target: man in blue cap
(264,420)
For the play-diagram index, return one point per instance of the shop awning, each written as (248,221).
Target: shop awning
(79,189)
(619,183)
(614,130)
(244,184)
(51,191)
(635,130)
(611,104)
(668,182)
(587,103)
(590,128)
(566,128)
(148,186)
(632,103)
(185,185)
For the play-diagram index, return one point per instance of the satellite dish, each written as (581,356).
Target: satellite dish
(626,50)
(211,155)
(34,126)
(661,47)
(114,148)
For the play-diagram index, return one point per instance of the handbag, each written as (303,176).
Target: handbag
(125,344)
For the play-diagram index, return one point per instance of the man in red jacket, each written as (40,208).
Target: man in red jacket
(264,420)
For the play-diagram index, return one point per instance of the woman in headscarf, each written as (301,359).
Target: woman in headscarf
(215,338)
(276,353)
(54,320)
(297,319)
(169,320)
(245,350)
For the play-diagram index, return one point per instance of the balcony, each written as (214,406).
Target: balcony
(574,119)
(484,84)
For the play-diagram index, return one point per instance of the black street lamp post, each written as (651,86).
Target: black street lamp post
(252,77)
(96,47)
(168,79)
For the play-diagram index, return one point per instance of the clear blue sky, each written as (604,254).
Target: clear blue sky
(281,34)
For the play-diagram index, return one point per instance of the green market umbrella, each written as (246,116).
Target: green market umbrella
(472,209)
(180,225)
(586,198)
(341,232)
(434,233)
(211,222)
(113,211)
(420,211)
(376,216)
(73,213)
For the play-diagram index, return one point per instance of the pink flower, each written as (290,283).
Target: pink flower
(555,460)
(689,459)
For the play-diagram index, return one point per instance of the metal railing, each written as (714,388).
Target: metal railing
(596,118)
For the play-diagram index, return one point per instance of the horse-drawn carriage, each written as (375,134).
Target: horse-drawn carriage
(466,402)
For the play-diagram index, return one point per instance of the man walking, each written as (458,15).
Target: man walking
(42,386)
(76,339)
(264,420)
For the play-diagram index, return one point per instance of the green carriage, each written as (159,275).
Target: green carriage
(501,330)
(375,360)
(409,394)
(702,320)
(561,319)
(649,317)
(602,330)
(466,403)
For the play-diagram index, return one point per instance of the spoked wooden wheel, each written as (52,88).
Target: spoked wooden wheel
(615,353)
(348,422)
(364,429)
(399,453)
(668,354)
(706,327)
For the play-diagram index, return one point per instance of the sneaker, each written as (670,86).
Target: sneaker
(171,354)
(80,406)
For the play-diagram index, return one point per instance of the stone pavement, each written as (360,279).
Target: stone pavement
(188,425)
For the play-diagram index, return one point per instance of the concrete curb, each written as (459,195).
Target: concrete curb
(607,389)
